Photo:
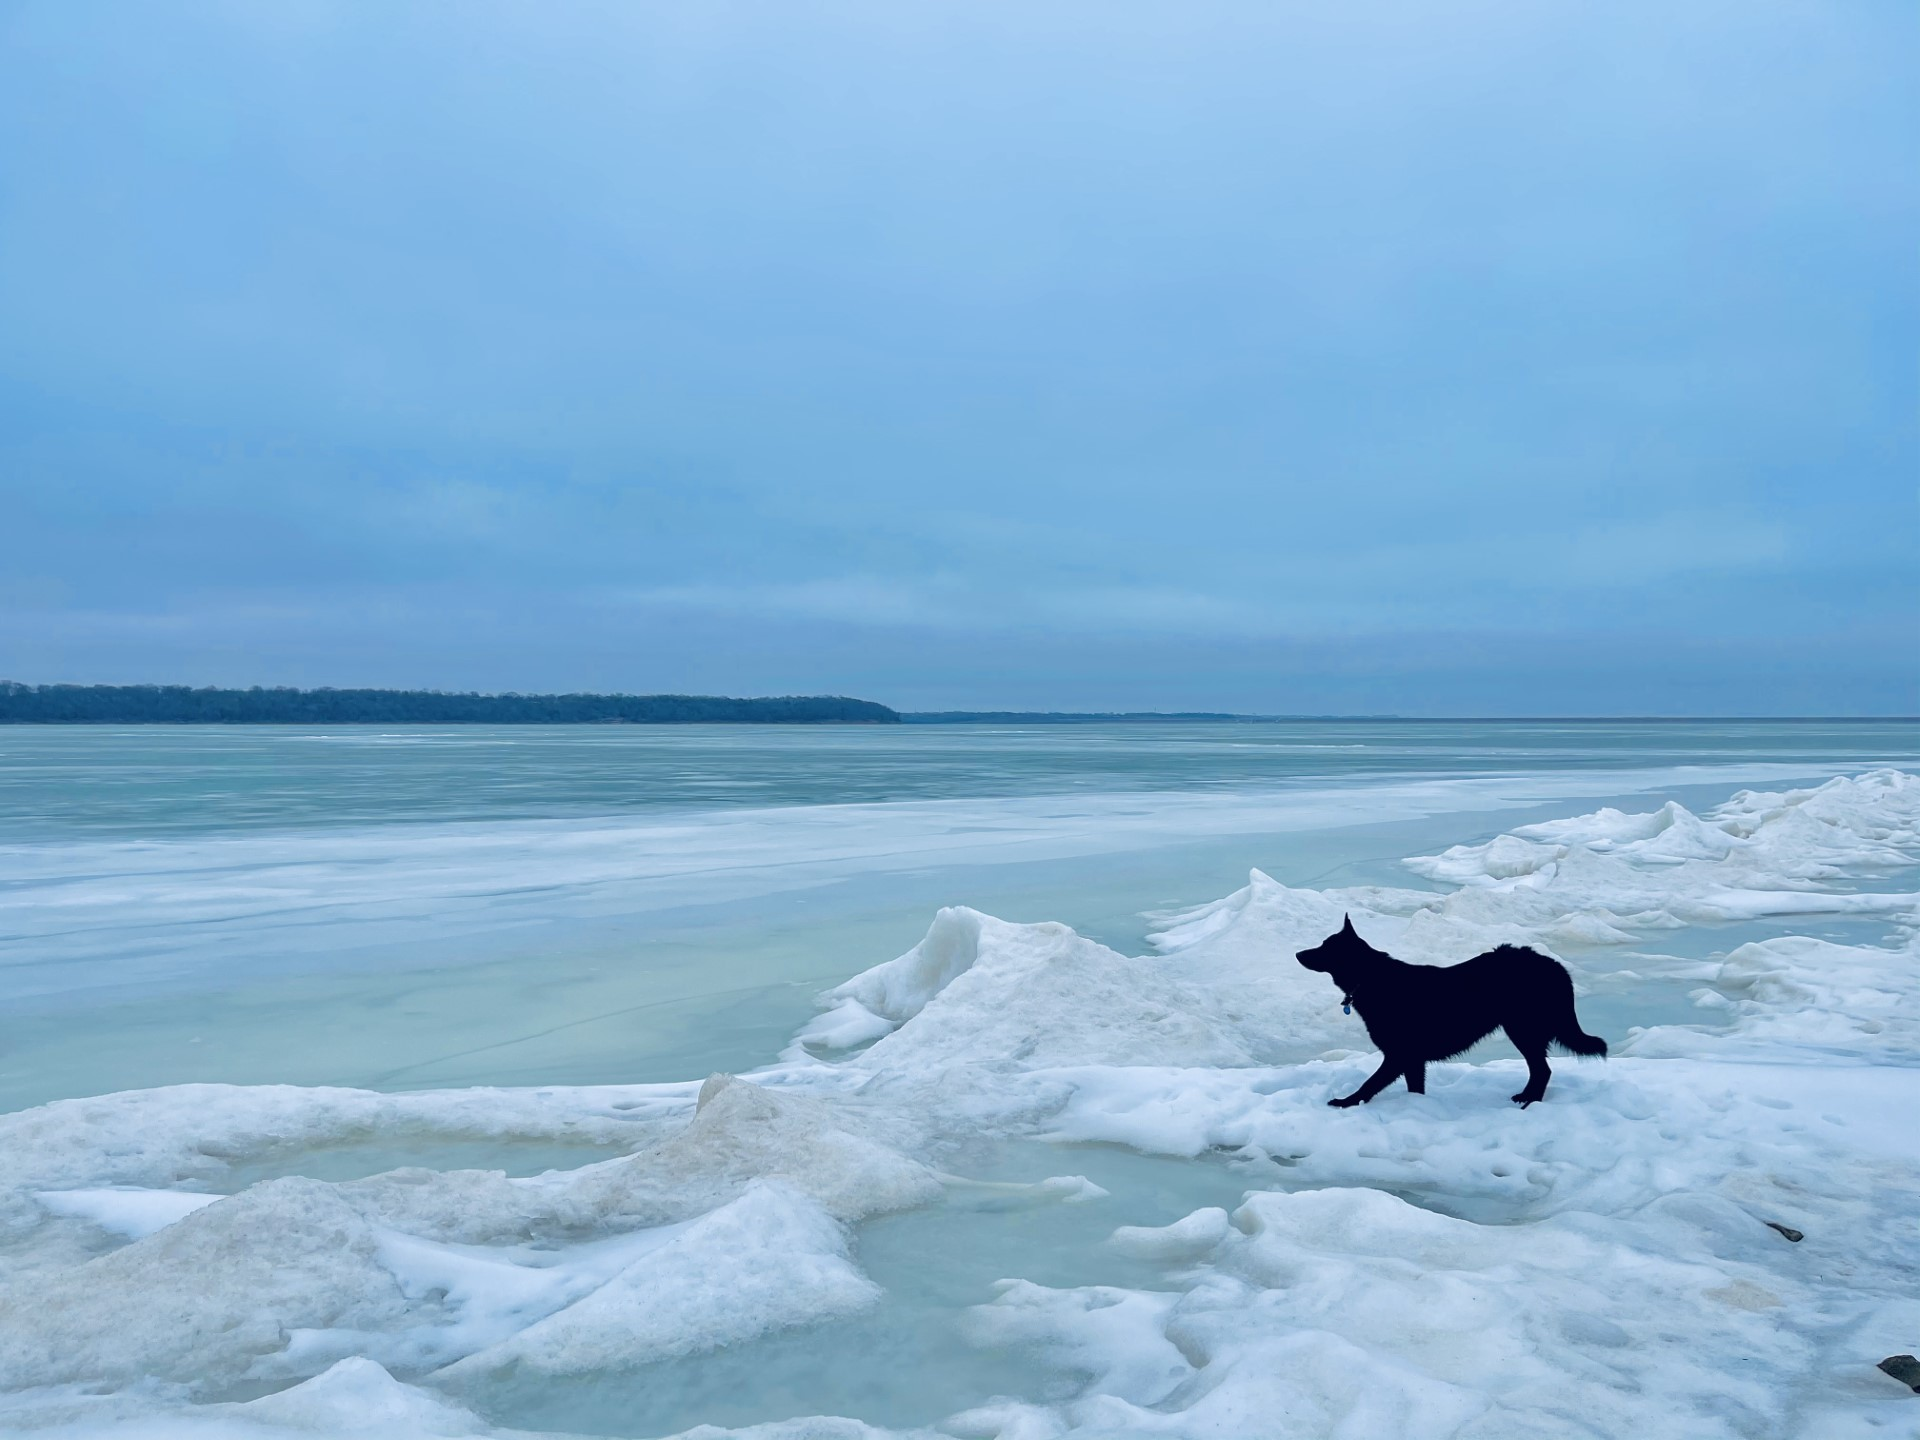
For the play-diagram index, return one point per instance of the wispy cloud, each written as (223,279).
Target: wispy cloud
(959,604)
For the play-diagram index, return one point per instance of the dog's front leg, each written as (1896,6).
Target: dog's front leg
(1388,1072)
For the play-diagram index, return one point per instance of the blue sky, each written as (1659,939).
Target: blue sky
(1476,359)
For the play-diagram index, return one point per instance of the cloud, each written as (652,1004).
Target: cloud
(1677,545)
(849,600)
(457,509)
(953,603)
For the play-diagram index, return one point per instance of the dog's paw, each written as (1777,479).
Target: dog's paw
(1523,1099)
(1341,1102)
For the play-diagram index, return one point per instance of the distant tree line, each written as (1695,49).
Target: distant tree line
(185,705)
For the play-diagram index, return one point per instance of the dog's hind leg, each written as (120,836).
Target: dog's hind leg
(1388,1072)
(1416,1073)
(1533,1049)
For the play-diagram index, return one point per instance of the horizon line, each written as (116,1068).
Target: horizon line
(921,717)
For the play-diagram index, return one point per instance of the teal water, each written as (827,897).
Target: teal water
(413,908)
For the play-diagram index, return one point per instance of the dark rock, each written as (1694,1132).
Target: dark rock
(1905,1369)
(1787,1230)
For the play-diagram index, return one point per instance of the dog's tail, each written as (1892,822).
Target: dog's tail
(1568,1032)
(1579,1042)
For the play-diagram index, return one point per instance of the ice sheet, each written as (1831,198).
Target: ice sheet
(158,912)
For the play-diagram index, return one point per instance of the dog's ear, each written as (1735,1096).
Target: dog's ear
(1346,925)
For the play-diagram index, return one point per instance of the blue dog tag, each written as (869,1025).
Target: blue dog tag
(1346,1009)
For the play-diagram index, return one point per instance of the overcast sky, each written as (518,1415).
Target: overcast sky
(1518,358)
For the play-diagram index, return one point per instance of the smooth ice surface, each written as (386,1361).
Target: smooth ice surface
(1019,1182)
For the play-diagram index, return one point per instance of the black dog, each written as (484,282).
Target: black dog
(1419,1013)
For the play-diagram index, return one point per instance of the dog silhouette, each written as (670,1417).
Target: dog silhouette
(1422,1013)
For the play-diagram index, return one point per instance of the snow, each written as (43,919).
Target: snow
(133,1213)
(1353,1312)
(196,1132)
(770,1259)
(1797,991)
(1030,994)
(1442,1266)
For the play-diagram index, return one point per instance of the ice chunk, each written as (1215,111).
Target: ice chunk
(358,1397)
(744,1132)
(983,992)
(1116,1336)
(1073,1189)
(201,1299)
(739,1133)
(845,1026)
(355,1398)
(1182,1240)
(900,989)
(770,1259)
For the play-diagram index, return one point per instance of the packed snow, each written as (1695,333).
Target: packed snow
(1616,1262)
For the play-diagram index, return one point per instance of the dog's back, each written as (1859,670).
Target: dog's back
(1524,993)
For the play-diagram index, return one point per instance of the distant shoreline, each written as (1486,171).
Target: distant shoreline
(187,705)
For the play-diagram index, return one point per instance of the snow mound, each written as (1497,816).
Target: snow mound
(770,1259)
(201,1299)
(356,1397)
(740,1132)
(984,992)
(731,1226)
(1758,855)
(1797,992)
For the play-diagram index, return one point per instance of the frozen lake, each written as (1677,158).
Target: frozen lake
(520,950)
